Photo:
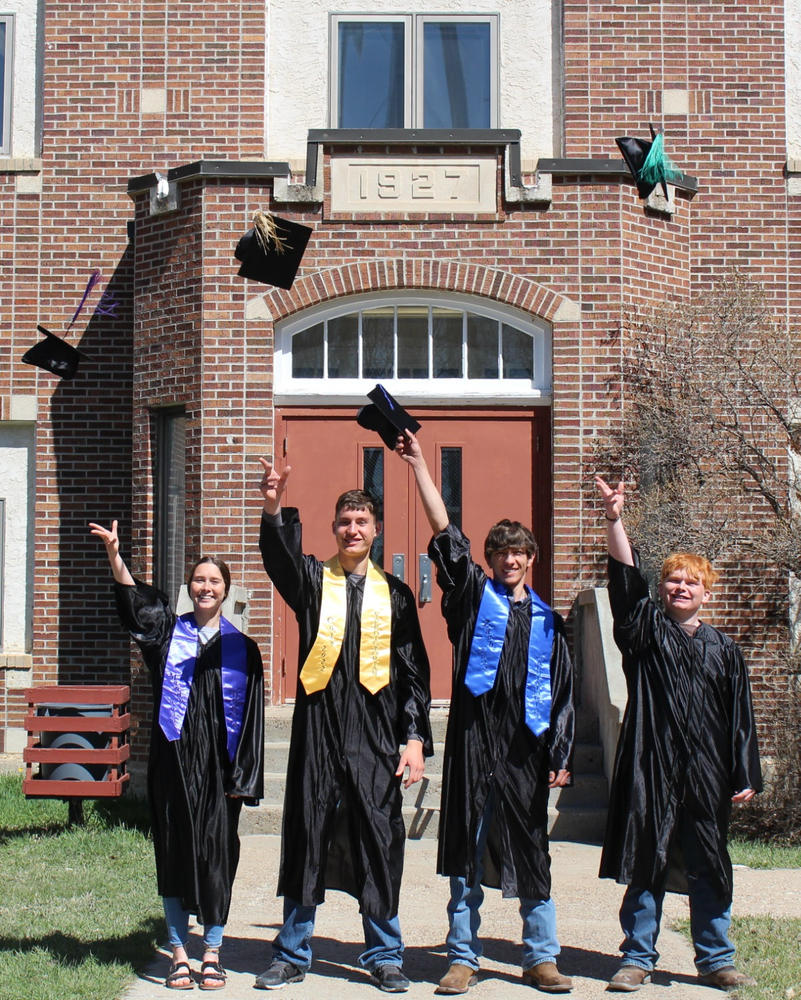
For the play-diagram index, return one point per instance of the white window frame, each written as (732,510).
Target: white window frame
(462,391)
(8,86)
(413,98)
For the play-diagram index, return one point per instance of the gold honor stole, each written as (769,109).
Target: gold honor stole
(375,632)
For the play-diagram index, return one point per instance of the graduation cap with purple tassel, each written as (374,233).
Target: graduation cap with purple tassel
(54,354)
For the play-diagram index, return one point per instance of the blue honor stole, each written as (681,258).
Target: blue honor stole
(179,672)
(485,652)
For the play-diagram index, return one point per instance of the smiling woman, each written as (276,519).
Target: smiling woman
(206,747)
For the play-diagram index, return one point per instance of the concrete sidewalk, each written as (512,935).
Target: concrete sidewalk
(587,916)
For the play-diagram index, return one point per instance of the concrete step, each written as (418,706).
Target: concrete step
(584,824)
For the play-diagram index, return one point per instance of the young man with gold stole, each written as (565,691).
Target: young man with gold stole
(363,691)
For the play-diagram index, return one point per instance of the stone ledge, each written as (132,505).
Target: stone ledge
(20,164)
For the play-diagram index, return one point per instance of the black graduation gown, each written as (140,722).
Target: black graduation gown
(188,780)
(687,743)
(489,748)
(342,826)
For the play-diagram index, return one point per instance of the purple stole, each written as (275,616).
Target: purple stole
(487,644)
(179,671)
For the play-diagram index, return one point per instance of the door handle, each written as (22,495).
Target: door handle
(399,566)
(424,595)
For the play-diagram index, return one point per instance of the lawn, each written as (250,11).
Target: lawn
(79,913)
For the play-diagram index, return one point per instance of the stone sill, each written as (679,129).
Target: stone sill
(20,165)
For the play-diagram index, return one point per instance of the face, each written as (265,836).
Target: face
(509,567)
(207,588)
(682,595)
(355,531)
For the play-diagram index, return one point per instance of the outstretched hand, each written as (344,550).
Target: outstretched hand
(272,485)
(613,498)
(110,539)
(108,536)
(408,447)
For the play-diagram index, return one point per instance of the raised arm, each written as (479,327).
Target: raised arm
(272,486)
(616,538)
(408,447)
(112,543)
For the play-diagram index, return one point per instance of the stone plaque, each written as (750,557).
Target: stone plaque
(369,185)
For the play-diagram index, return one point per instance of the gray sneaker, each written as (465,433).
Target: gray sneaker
(390,979)
(279,974)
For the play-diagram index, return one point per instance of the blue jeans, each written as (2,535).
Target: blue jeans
(710,917)
(178,925)
(540,943)
(383,944)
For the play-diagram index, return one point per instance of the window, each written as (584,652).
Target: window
(414,71)
(170,501)
(438,345)
(6,69)
(2,562)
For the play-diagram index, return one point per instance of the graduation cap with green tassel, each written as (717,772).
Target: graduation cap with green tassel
(648,162)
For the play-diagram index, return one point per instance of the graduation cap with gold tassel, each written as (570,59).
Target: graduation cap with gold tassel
(648,162)
(272,250)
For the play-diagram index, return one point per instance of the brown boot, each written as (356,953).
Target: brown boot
(548,978)
(458,979)
(728,978)
(628,978)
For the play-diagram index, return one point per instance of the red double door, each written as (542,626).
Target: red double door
(488,464)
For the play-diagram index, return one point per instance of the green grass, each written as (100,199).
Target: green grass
(79,912)
(767,949)
(758,855)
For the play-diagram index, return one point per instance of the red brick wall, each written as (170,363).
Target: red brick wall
(189,335)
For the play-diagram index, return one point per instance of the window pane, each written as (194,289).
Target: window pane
(343,347)
(518,350)
(374,485)
(371,69)
(307,353)
(482,347)
(456,82)
(447,335)
(451,479)
(378,352)
(3,115)
(413,342)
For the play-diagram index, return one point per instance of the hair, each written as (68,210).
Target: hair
(221,566)
(356,500)
(696,567)
(508,534)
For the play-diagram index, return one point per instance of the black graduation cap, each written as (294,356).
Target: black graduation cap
(386,416)
(271,251)
(53,354)
(659,170)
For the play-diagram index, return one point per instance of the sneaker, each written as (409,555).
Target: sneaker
(279,974)
(628,978)
(390,979)
(728,978)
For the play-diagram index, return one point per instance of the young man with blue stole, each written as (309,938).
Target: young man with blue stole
(363,691)
(509,739)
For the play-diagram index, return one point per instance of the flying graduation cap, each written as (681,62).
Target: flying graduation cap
(54,354)
(386,416)
(648,162)
(272,249)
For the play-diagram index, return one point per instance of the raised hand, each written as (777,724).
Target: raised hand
(272,485)
(111,540)
(408,447)
(613,498)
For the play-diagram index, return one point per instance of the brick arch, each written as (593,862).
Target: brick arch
(388,274)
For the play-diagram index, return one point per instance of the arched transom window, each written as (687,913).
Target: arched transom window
(429,347)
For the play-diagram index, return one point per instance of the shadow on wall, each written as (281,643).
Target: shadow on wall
(90,418)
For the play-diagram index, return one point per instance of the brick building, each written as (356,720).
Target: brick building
(476,241)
